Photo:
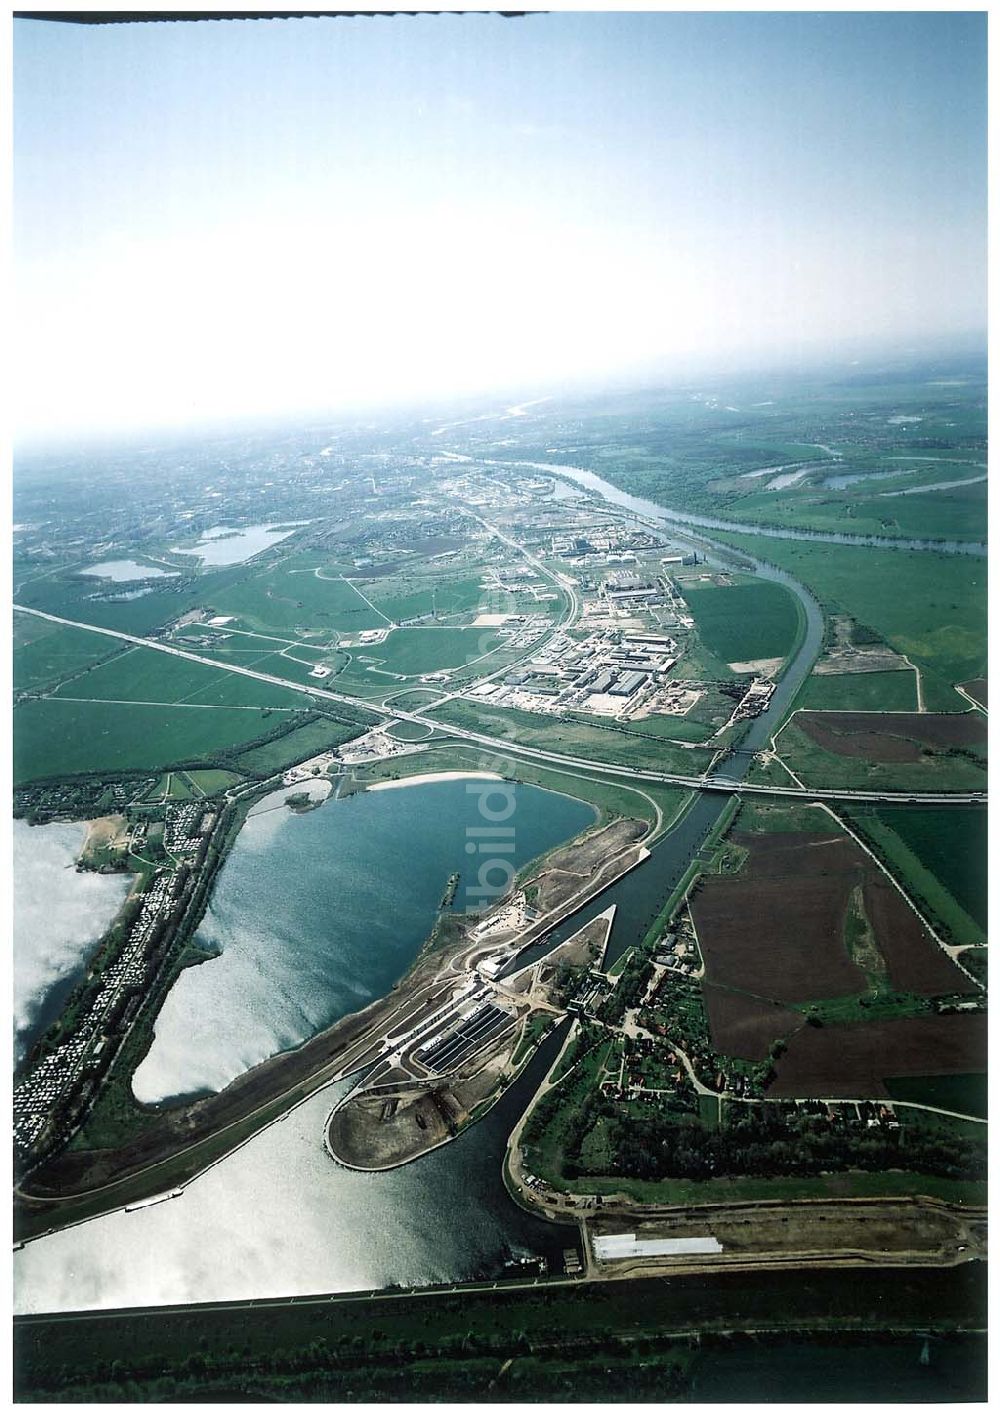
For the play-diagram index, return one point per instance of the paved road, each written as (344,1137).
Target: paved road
(503,747)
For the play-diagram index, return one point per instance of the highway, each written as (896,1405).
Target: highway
(503,747)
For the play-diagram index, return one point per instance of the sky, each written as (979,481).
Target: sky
(215,220)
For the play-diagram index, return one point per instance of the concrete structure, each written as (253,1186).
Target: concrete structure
(618,1246)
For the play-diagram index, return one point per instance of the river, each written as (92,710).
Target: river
(649,510)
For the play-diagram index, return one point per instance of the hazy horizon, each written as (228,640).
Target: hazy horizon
(256,220)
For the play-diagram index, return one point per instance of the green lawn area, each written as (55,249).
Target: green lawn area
(174,785)
(212,782)
(861,692)
(191,785)
(939,854)
(56,737)
(742,622)
(931,607)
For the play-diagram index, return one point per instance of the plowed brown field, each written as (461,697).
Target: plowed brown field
(854,1061)
(776,930)
(891,736)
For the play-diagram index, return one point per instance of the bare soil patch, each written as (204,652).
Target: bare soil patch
(891,736)
(776,930)
(745,1027)
(854,1061)
(977,689)
(568,869)
(915,962)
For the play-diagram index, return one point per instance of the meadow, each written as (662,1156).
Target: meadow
(45,653)
(574,738)
(147,675)
(931,607)
(860,692)
(745,621)
(55,737)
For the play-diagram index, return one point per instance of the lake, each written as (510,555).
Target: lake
(59,915)
(315,915)
(223,545)
(279,1217)
(125,571)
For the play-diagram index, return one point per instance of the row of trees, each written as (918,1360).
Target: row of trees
(771,1141)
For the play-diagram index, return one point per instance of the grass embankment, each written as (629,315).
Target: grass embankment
(683,1192)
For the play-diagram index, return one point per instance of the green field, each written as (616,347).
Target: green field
(412,651)
(297,745)
(962,1094)
(936,770)
(291,595)
(192,785)
(574,738)
(860,692)
(56,737)
(410,595)
(740,623)
(951,843)
(45,653)
(939,854)
(931,607)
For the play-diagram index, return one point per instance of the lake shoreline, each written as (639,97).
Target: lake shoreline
(181,1142)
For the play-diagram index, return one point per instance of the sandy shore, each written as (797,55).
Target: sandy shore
(436,776)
